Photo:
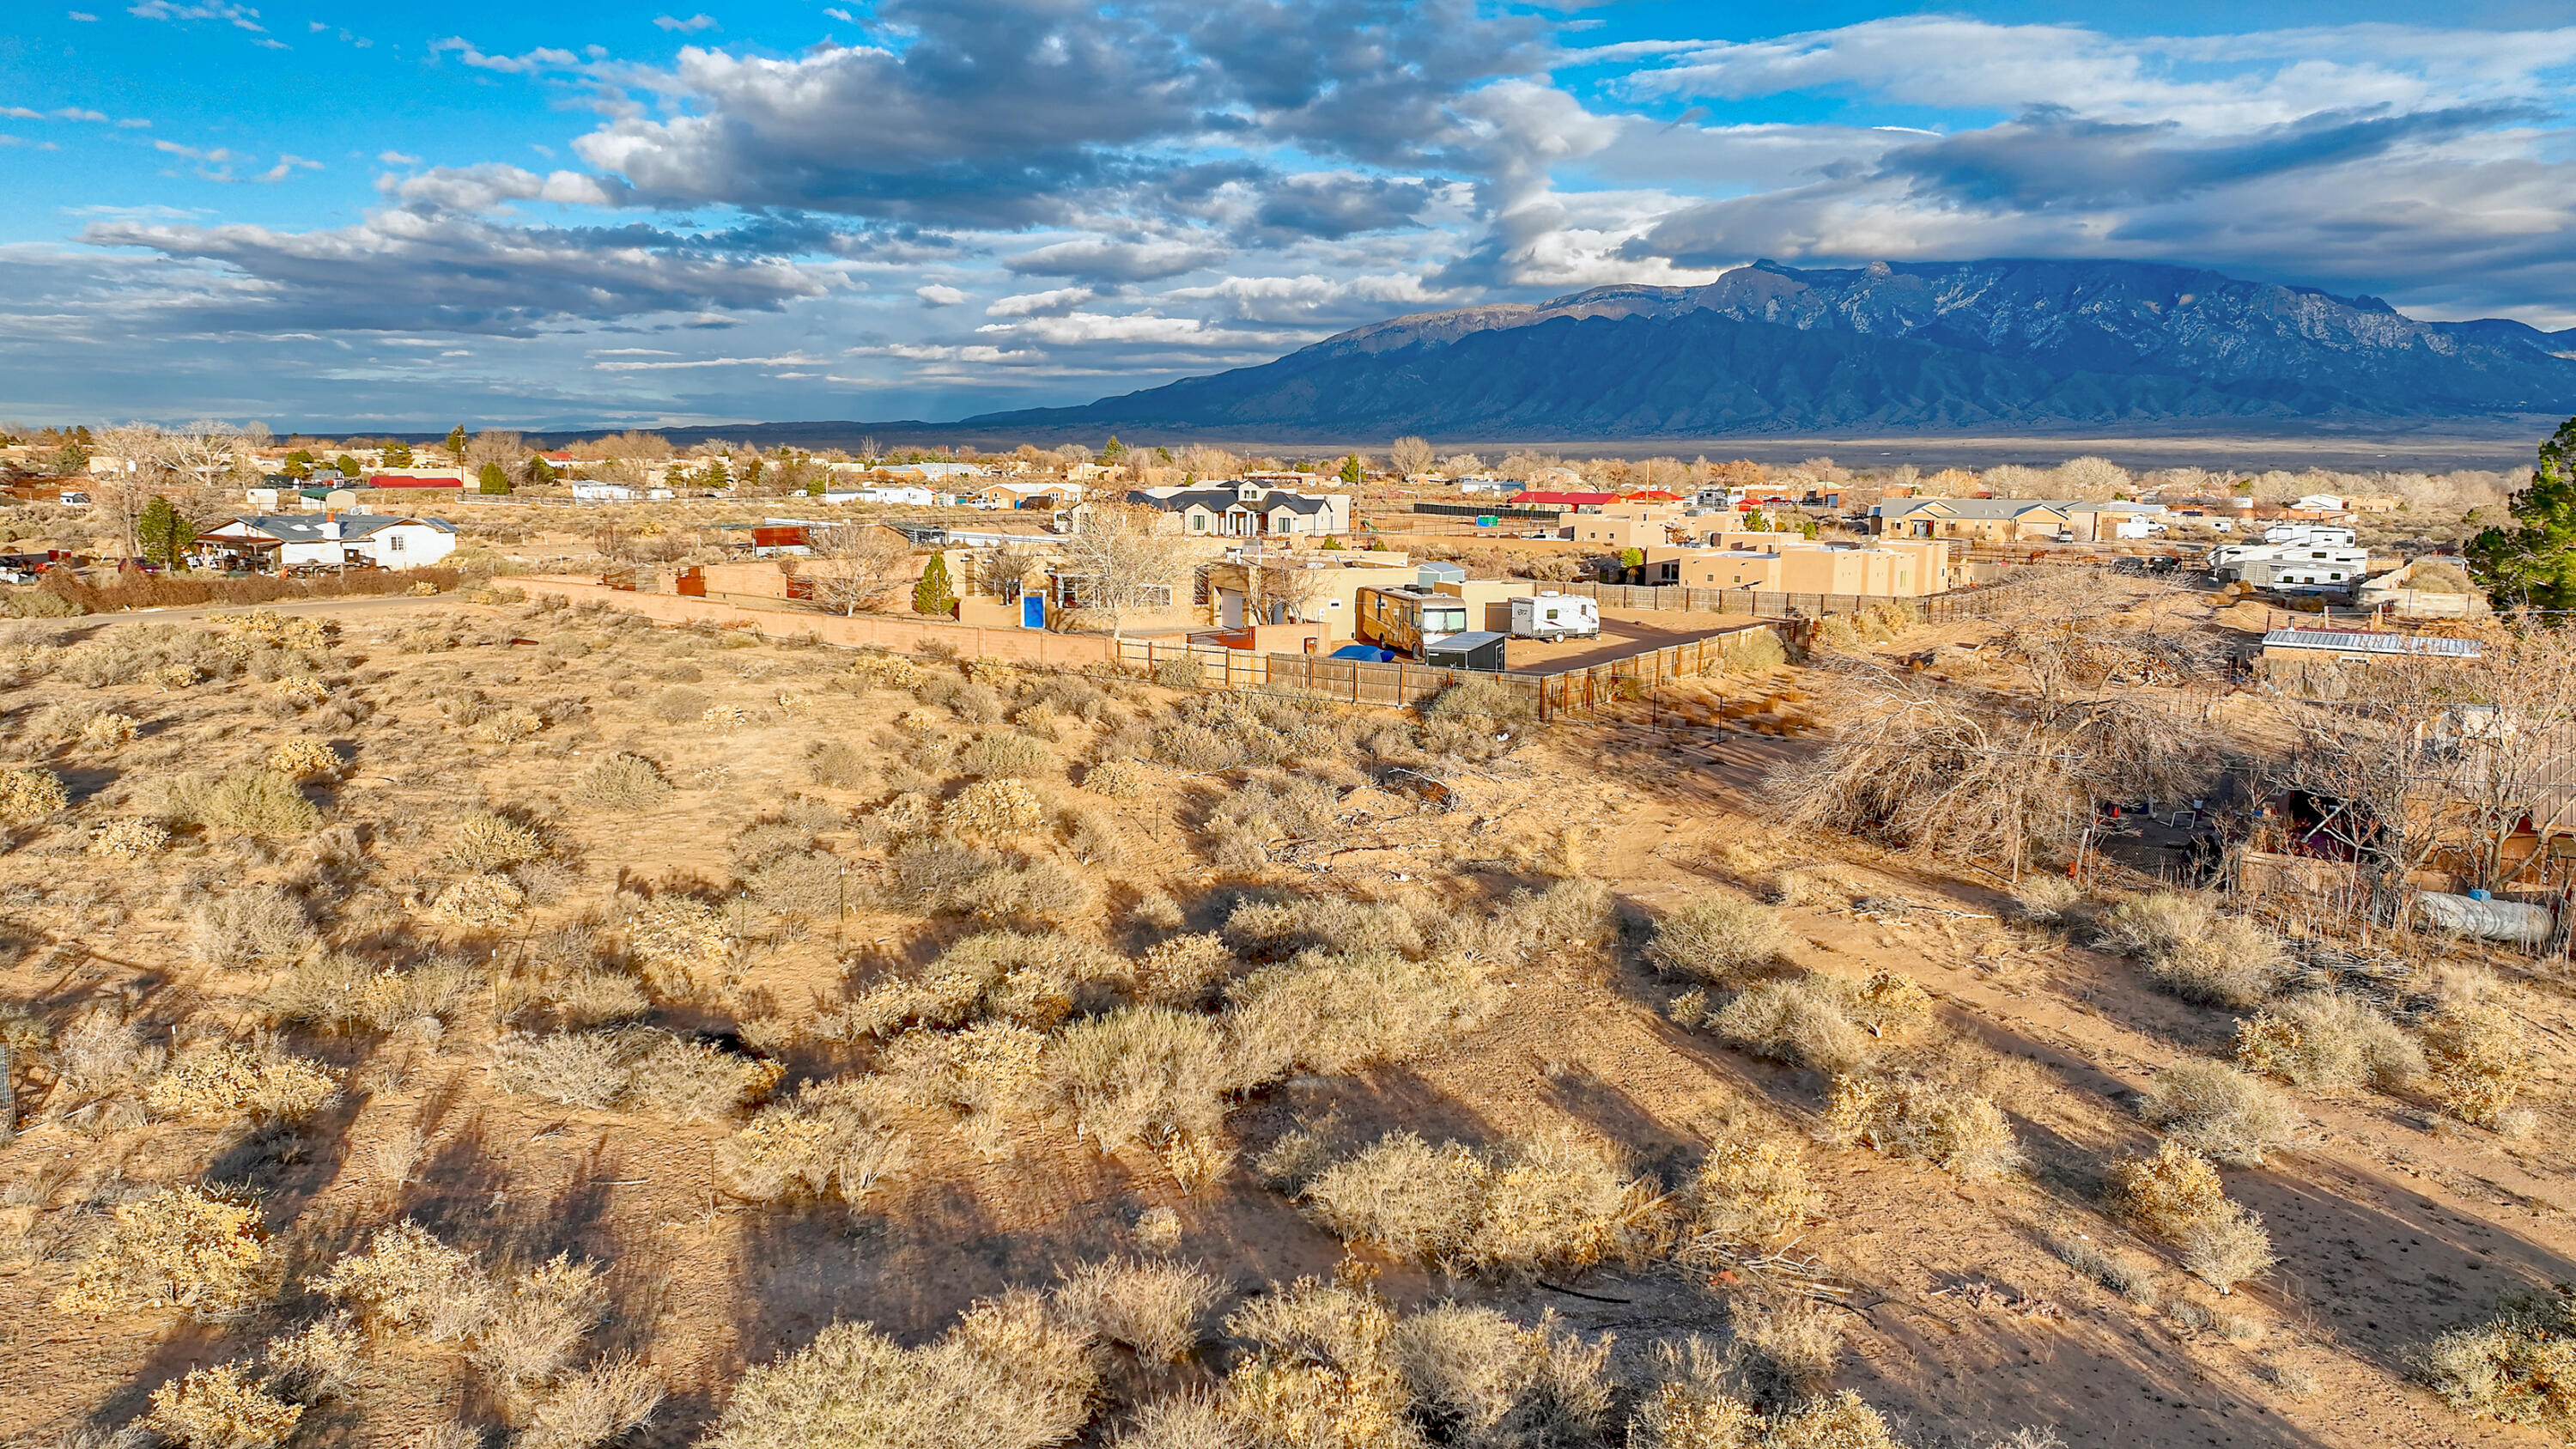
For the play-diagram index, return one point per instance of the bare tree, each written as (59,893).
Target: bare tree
(1281,588)
(858,564)
(1203,462)
(1118,560)
(1410,455)
(1002,572)
(1461,465)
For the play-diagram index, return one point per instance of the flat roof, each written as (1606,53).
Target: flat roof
(2349,641)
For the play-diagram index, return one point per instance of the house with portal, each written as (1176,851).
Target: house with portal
(277,542)
(1246,509)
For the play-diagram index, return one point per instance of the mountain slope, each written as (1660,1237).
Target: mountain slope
(1897,346)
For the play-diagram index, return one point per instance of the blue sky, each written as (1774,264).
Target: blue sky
(402,215)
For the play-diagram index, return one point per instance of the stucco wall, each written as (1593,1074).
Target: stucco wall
(1021,646)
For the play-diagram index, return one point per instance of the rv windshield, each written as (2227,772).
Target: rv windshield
(1444,621)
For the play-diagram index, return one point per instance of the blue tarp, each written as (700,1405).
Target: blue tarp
(1365,653)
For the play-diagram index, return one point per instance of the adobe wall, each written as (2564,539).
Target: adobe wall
(1019,646)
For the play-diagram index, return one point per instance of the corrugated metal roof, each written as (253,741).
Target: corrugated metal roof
(2348,641)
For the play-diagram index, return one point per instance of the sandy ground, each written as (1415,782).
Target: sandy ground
(2391,1225)
(1624,632)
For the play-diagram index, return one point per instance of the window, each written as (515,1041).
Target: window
(1198,523)
(393,543)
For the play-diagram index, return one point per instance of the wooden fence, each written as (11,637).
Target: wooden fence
(1982,601)
(1403,685)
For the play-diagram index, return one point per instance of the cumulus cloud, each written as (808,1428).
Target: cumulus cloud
(936,295)
(483,188)
(690,26)
(1113,261)
(241,17)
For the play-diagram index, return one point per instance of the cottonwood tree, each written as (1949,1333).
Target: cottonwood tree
(1118,561)
(1280,587)
(1410,455)
(860,564)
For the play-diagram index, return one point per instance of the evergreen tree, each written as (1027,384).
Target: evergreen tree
(456,441)
(2534,561)
(1114,451)
(164,536)
(496,480)
(934,594)
(347,465)
(1351,468)
(540,471)
(398,455)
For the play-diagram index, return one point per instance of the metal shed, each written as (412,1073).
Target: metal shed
(1477,649)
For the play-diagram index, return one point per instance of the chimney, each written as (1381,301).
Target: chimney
(331,525)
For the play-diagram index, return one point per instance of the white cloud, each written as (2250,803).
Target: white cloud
(690,26)
(396,158)
(241,17)
(793,359)
(936,295)
(83,16)
(1031,304)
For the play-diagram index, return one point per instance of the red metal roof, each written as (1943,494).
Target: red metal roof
(411,480)
(1575,499)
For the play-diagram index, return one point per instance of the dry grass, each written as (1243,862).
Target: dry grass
(2175,1196)
(2515,1368)
(1335,1013)
(594,1406)
(181,1248)
(1958,1132)
(244,802)
(2478,1061)
(1717,940)
(1145,1074)
(632,1069)
(2220,1112)
(257,926)
(621,781)
(1007,1376)
(1750,1191)
(2328,1041)
(485,841)
(221,1408)
(228,1080)
(1547,1203)
(1154,1308)
(1799,1021)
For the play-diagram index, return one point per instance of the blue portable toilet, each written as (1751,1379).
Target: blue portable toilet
(1032,611)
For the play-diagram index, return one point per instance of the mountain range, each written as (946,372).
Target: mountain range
(1889,347)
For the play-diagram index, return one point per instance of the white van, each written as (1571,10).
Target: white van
(1554,616)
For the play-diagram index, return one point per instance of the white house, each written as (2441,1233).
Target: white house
(267,541)
(1248,509)
(2319,503)
(906,494)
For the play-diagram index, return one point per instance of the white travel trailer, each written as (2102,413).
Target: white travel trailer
(1553,616)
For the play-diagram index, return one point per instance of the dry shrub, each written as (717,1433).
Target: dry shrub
(2515,1368)
(677,940)
(1182,1421)
(2045,899)
(1335,1013)
(130,838)
(1321,1372)
(406,1280)
(255,926)
(606,1401)
(635,1069)
(1479,1379)
(1154,1308)
(2196,953)
(680,704)
(1181,970)
(246,802)
(29,795)
(1716,939)
(2479,1064)
(831,1138)
(887,671)
(485,901)
(304,759)
(489,842)
(1798,1021)
(1117,779)
(1196,748)
(839,763)
(506,726)
(99,1052)
(2328,1041)
(1000,753)
(1959,1132)
(1145,1074)
(221,1408)
(226,1080)
(302,690)
(182,1248)
(1005,1377)
(621,781)
(107,731)
(1749,1191)
(340,992)
(1094,838)
(271,629)
(1275,926)
(1791,1343)
(995,809)
(992,1076)
(1549,1202)
(316,1362)
(1025,979)
(538,1326)
(806,883)
(1694,1407)
(2175,1196)
(2217,1110)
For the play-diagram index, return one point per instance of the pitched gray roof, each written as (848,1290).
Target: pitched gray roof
(307,527)
(1969,507)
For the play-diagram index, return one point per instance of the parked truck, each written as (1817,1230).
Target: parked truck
(1553,617)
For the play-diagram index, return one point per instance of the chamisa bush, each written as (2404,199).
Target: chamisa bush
(1959,1132)
(1751,1191)
(183,1248)
(485,841)
(2220,1112)
(1548,1202)
(29,795)
(832,1138)
(2196,953)
(2175,1197)
(2328,1040)
(222,1081)
(247,802)
(2513,1368)
(1716,939)
(621,781)
(2475,1054)
(221,1408)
